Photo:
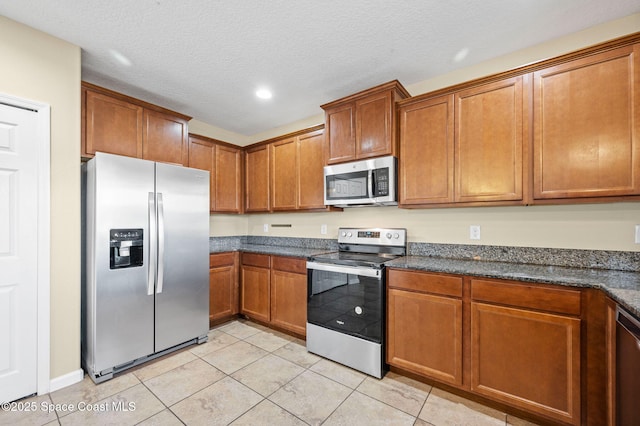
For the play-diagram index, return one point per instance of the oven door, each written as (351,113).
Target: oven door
(346,299)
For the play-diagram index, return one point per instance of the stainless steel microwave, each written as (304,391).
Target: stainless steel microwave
(362,183)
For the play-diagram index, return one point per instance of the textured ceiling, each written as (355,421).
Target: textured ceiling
(206,58)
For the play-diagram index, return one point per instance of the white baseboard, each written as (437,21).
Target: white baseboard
(66,380)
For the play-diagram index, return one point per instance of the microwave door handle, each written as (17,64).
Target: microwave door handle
(371,188)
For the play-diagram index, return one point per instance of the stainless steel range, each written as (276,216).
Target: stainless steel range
(346,297)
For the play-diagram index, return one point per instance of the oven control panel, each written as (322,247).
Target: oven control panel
(373,236)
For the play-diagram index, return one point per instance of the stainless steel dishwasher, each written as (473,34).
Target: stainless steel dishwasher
(627,369)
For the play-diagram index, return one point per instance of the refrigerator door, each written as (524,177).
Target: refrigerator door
(119,307)
(182,285)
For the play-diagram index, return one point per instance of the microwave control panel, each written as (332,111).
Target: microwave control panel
(381,182)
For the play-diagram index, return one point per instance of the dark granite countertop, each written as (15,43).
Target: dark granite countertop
(299,252)
(621,286)
(616,273)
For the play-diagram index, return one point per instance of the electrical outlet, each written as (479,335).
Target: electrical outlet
(266,227)
(637,234)
(474,232)
(323,229)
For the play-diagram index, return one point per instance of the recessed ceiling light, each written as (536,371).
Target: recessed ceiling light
(462,53)
(123,60)
(264,93)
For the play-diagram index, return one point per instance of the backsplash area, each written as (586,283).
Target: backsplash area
(575,258)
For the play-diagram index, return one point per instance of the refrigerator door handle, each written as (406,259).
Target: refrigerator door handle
(152,244)
(160,243)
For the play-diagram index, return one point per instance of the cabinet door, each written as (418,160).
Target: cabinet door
(341,134)
(426,152)
(284,174)
(223,286)
(425,334)
(228,180)
(112,125)
(256,292)
(373,125)
(257,179)
(527,359)
(202,156)
(165,138)
(289,301)
(311,162)
(489,142)
(587,126)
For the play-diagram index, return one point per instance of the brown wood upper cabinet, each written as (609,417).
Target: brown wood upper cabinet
(587,126)
(363,125)
(118,124)
(257,179)
(464,147)
(224,163)
(297,172)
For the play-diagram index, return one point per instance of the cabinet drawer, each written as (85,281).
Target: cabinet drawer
(254,259)
(563,301)
(426,282)
(289,264)
(221,259)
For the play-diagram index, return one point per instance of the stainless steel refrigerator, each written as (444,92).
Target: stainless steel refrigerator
(145,261)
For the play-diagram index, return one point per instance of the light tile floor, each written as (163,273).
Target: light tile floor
(247,374)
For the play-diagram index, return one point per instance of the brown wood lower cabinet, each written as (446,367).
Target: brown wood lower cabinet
(527,359)
(515,343)
(255,281)
(274,291)
(289,294)
(425,324)
(223,286)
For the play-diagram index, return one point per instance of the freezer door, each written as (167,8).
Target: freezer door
(182,285)
(119,303)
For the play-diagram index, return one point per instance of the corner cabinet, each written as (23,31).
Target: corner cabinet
(286,173)
(465,147)
(118,124)
(223,286)
(587,127)
(224,163)
(363,125)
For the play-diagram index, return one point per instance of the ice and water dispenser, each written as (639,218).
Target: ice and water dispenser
(125,248)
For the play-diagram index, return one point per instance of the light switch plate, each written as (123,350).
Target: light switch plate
(637,234)
(474,232)
(266,227)
(323,229)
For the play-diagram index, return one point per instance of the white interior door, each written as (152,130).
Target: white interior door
(18,253)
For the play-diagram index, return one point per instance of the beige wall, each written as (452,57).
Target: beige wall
(595,226)
(42,68)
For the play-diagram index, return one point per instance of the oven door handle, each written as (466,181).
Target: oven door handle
(367,272)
